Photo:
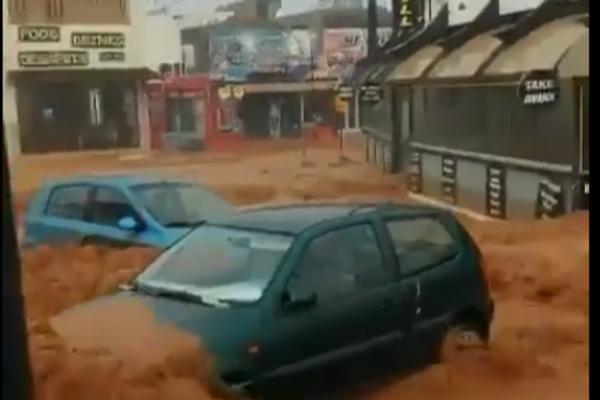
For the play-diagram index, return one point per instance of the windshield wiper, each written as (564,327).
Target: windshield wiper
(185,224)
(180,295)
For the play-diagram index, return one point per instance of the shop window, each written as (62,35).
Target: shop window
(55,9)
(124,8)
(226,119)
(95,102)
(182,114)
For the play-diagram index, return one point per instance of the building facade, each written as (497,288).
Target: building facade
(490,107)
(75,72)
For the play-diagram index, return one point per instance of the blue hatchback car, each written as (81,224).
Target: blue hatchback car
(119,211)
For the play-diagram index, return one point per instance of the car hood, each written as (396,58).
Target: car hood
(226,332)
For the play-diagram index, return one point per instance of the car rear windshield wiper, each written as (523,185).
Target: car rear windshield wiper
(180,295)
(185,224)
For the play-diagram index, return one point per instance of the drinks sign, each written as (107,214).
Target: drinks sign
(98,40)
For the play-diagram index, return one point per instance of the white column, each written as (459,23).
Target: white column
(143,112)
(12,132)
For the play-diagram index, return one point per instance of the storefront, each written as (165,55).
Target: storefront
(183,113)
(74,111)
(276,110)
(503,131)
(74,88)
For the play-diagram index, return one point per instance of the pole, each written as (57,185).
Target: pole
(16,373)
(372,40)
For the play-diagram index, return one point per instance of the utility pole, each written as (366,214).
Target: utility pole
(372,39)
(16,373)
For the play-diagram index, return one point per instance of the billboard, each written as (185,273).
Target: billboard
(238,52)
(514,6)
(343,47)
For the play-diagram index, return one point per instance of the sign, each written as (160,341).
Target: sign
(495,196)
(449,179)
(344,47)
(550,201)
(33,59)
(39,34)
(345,92)
(415,176)
(225,92)
(98,40)
(237,52)
(371,93)
(539,88)
(112,56)
(341,105)
(238,92)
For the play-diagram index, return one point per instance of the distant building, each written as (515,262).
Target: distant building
(75,72)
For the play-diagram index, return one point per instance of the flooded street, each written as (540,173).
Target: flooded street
(538,273)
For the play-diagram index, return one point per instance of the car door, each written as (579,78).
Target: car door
(427,255)
(108,205)
(346,269)
(62,218)
(377,309)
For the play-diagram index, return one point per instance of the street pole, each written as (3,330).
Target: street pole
(16,373)
(372,40)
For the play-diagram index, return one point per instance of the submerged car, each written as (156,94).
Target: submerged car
(121,211)
(274,291)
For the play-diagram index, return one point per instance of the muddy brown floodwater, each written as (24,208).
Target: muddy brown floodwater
(538,273)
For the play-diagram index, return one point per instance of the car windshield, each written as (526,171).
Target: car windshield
(181,204)
(220,265)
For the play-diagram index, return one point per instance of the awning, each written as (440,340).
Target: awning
(287,87)
(576,62)
(468,59)
(414,67)
(540,50)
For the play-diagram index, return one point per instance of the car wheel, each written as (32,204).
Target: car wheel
(459,339)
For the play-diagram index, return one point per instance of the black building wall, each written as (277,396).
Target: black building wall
(491,119)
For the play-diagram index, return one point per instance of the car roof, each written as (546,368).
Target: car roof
(124,180)
(296,218)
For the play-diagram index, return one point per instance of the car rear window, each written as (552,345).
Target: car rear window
(420,243)
(68,202)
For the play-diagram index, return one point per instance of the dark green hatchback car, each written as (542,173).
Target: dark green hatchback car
(274,291)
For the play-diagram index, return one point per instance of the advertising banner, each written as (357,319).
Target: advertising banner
(343,47)
(237,52)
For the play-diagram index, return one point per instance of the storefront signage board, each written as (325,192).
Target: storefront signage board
(415,177)
(371,93)
(37,59)
(449,179)
(98,40)
(495,196)
(550,200)
(39,34)
(539,88)
(112,56)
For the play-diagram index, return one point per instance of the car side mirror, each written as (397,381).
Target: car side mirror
(130,224)
(299,302)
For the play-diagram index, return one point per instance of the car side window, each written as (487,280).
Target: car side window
(420,243)
(109,206)
(68,202)
(340,263)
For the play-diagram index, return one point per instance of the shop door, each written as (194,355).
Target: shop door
(60,117)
